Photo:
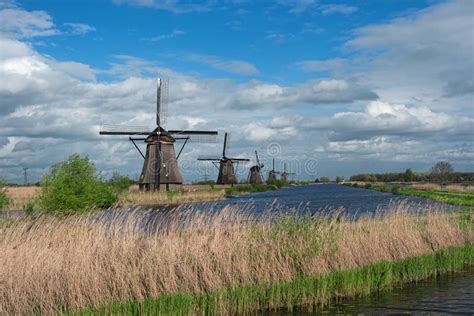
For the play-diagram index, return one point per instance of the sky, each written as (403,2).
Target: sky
(326,87)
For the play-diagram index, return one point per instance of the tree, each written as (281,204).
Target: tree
(442,170)
(339,179)
(74,186)
(120,182)
(324,180)
(408,175)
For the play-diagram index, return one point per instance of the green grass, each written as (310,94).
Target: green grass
(457,198)
(303,291)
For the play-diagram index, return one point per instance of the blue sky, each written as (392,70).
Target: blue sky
(271,37)
(348,86)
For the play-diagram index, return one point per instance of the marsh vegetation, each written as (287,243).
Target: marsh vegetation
(228,262)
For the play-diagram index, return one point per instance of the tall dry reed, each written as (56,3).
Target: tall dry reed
(19,196)
(70,263)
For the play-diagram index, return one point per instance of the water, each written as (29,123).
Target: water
(310,198)
(315,198)
(451,294)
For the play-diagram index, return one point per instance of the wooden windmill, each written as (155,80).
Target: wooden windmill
(272,174)
(255,177)
(284,175)
(160,165)
(225,165)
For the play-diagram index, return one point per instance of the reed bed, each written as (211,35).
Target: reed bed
(51,265)
(165,198)
(20,196)
(449,188)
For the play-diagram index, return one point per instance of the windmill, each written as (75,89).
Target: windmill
(226,165)
(284,175)
(160,164)
(272,173)
(255,177)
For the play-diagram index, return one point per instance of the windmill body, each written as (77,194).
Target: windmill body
(169,173)
(226,165)
(255,176)
(284,175)
(226,172)
(160,166)
(272,174)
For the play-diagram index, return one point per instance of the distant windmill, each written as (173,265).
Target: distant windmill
(226,165)
(160,165)
(284,175)
(255,177)
(272,173)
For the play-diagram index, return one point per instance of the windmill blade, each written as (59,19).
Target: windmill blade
(187,133)
(226,139)
(195,136)
(124,130)
(209,158)
(162,92)
(239,159)
(258,160)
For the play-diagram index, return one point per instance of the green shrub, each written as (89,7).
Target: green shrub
(355,185)
(73,186)
(324,180)
(368,185)
(120,182)
(395,189)
(3,194)
(277,183)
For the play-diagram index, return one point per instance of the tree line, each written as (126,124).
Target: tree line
(441,172)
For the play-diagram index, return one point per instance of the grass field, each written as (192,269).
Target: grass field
(20,196)
(452,194)
(225,263)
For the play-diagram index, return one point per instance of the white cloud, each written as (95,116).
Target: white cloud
(172,34)
(25,24)
(395,132)
(232,66)
(321,65)
(175,6)
(263,131)
(337,8)
(427,55)
(79,28)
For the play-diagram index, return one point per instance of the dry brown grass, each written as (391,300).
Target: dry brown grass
(77,261)
(20,196)
(164,198)
(450,188)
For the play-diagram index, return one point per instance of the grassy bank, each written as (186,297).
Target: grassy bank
(225,262)
(456,195)
(308,292)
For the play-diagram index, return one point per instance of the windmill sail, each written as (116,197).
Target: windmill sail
(194,136)
(209,158)
(162,101)
(124,130)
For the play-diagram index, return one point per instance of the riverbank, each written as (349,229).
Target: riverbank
(452,195)
(229,262)
(23,198)
(304,293)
